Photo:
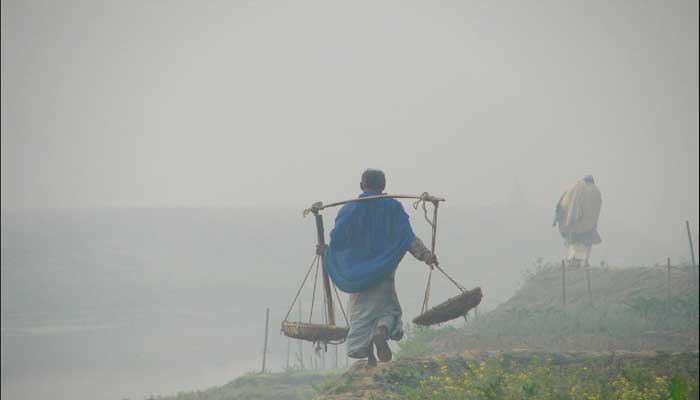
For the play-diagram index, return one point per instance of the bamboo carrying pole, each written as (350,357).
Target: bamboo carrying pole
(267,328)
(321,206)
(326,280)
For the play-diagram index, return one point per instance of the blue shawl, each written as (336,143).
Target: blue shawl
(367,243)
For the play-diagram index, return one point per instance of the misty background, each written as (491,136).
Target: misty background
(156,157)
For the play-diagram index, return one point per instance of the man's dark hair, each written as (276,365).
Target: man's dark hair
(373,180)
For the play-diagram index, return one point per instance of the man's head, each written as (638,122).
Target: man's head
(373,180)
(588,179)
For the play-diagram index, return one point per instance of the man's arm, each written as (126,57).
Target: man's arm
(422,253)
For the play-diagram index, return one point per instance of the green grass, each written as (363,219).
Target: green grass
(278,386)
(418,340)
(630,311)
(631,316)
(505,378)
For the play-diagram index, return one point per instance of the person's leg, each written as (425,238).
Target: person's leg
(359,338)
(389,325)
(588,256)
(578,255)
(362,326)
(380,340)
(371,360)
(570,252)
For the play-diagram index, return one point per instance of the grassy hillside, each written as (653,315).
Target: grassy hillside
(630,310)
(524,375)
(279,386)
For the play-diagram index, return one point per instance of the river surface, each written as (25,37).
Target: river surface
(117,304)
(132,358)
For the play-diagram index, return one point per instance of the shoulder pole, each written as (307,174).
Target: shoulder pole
(321,251)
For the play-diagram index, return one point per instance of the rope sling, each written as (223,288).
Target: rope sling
(433,225)
(328,332)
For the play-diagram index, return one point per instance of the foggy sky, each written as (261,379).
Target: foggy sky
(136,103)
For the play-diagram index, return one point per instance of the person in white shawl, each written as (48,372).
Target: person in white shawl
(577,214)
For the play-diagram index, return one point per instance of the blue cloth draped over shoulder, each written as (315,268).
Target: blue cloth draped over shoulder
(367,243)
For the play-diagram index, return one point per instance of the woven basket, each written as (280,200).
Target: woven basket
(314,332)
(454,307)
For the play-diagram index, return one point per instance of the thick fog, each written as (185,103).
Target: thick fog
(197,104)
(156,157)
